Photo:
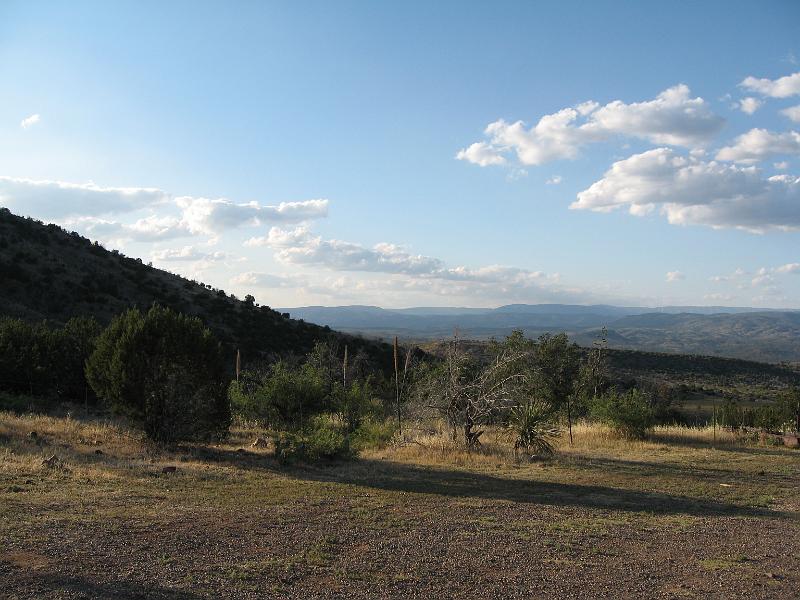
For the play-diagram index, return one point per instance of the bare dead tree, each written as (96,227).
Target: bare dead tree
(470,394)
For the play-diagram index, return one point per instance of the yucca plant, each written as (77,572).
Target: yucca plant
(532,425)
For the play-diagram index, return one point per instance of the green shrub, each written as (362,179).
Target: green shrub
(372,433)
(354,402)
(42,360)
(630,413)
(163,370)
(323,439)
(281,397)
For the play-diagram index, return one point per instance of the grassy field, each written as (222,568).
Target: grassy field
(677,516)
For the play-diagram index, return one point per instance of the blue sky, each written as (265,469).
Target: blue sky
(372,153)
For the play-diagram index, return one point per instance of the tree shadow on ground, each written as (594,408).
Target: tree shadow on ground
(697,472)
(720,446)
(402,477)
(43,584)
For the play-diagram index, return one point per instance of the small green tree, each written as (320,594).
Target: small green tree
(165,371)
(629,413)
(557,364)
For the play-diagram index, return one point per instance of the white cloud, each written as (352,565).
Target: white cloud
(749,105)
(793,113)
(781,166)
(413,272)
(97,211)
(300,246)
(673,276)
(758,144)
(763,277)
(554,180)
(187,254)
(55,200)
(673,118)
(481,153)
(202,215)
(692,191)
(148,229)
(735,276)
(30,121)
(774,88)
(789,268)
(267,280)
(719,297)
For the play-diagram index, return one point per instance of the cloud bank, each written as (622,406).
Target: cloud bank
(672,118)
(691,191)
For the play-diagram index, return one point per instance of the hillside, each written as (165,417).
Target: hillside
(49,273)
(753,334)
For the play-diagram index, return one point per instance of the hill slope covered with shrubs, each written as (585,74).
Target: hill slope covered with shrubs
(49,273)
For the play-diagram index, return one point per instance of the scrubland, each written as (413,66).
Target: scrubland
(685,513)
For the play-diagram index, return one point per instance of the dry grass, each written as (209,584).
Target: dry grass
(434,444)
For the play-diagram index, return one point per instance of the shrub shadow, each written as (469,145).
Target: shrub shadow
(403,477)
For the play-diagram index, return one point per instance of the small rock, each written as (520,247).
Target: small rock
(259,443)
(33,435)
(169,469)
(240,451)
(774,576)
(98,451)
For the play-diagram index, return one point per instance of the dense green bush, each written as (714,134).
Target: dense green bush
(281,396)
(165,371)
(372,433)
(354,402)
(771,417)
(44,360)
(629,413)
(324,438)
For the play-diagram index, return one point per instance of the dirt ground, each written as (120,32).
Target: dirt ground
(662,519)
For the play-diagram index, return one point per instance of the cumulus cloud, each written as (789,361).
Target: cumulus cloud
(481,153)
(411,272)
(554,180)
(98,211)
(202,215)
(267,280)
(749,105)
(789,268)
(792,113)
(300,246)
(783,87)
(187,254)
(758,144)
(673,276)
(58,200)
(148,229)
(673,118)
(689,190)
(30,121)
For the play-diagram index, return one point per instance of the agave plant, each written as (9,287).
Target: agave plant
(532,425)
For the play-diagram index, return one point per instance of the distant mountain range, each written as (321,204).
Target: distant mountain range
(740,332)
